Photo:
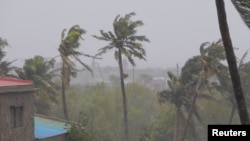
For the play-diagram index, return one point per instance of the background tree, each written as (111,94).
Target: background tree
(176,95)
(42,73)
(231,60)
(125,42)
(5,68)
(68,49)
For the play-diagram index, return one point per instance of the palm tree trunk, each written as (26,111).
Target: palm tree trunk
(190,115)
(65,112)
(231,60)
(176,129)
(124,98)
(232,113)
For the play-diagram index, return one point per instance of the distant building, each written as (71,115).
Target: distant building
(17,122)
(157,84)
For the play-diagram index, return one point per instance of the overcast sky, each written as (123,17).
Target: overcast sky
(175,28)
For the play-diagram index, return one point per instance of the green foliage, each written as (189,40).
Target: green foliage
(163,126)
(3,44)
(124,38)
(5,66)
(102,104)
(68,48)
(41,72)
(79,132)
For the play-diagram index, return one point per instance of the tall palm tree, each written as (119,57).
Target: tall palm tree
(68,49)
(125,42)
(231,60)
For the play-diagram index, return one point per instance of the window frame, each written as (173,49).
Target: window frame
(16,115)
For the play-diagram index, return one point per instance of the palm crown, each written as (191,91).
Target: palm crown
(124,38)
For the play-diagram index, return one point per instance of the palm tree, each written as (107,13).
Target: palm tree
(5,67)
(3,44)
(176,95)
(41,72)
(125,42)
(67,50)
(231,60)
(199,69)
(180,94)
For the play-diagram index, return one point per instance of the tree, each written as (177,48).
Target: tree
(231,60)
(41,72)
(68,49)
(181,96)
(175,95)
(5,67)
(199,69)
(125,42)
(3,44)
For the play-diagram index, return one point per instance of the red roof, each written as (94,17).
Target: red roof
(14,82)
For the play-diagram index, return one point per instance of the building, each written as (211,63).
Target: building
(50,129)
(17,119)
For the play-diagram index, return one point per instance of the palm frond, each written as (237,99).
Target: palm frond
(68,63)
(105,49)
(111,35)
(241,63)
(243,7)
(202,47)
(63,34)
(101,38)
(105,36)
(138,38)
(131,60)
(85,65)
(135,24)
(3,44)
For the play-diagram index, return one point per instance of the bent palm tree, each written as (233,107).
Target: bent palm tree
(198,70)
(67,50)
(125,42)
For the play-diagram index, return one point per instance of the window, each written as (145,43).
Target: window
(16,116)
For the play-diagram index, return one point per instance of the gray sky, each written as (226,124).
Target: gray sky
(175,28)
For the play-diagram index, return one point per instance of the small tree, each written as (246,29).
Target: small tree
(41,72)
